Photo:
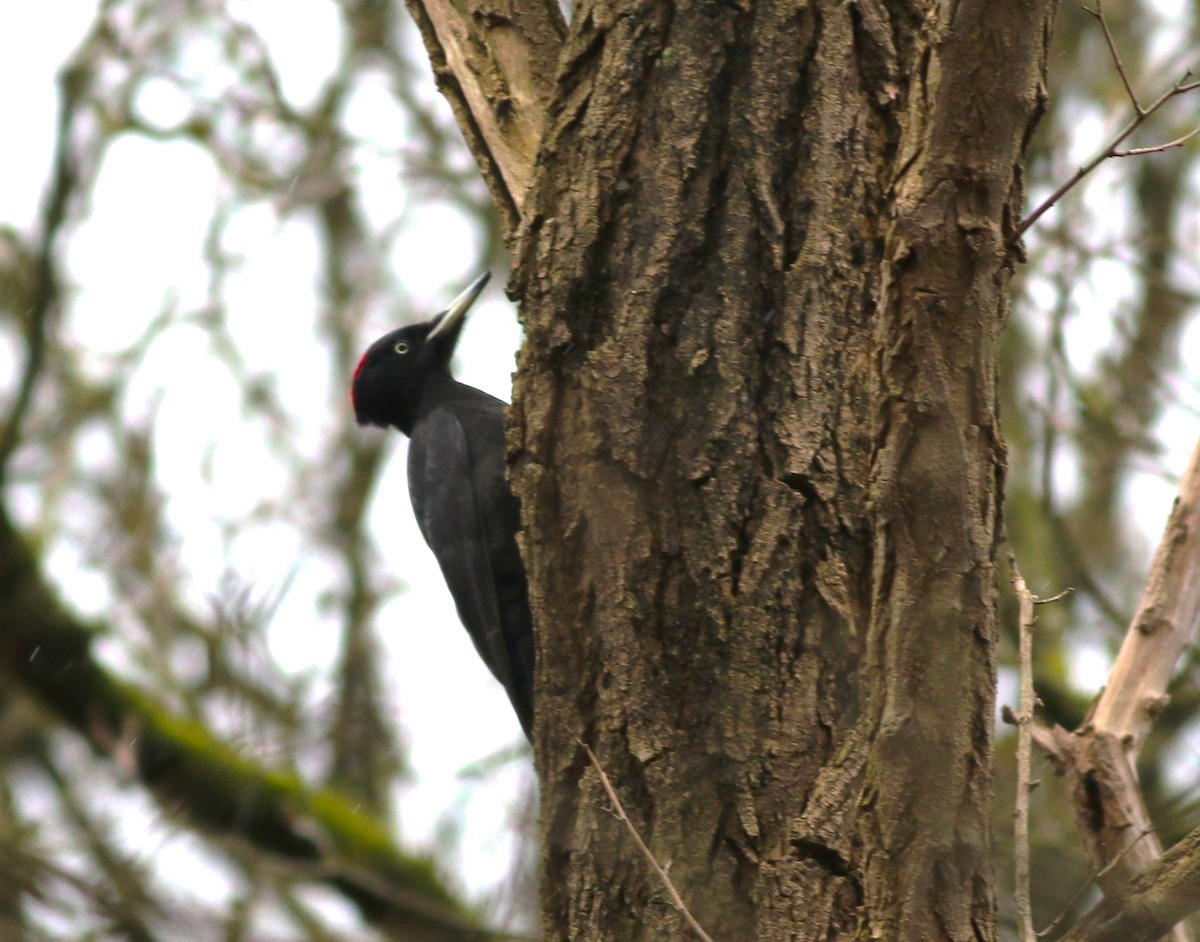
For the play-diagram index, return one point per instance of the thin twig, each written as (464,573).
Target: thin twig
(619,811)
(1056,597)
(1088,884)
(1024,719)
(1141,115)
(1139,910)
(1098,13)
(1110,151)
(1158,148)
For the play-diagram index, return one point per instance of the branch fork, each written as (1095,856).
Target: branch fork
(1100,758)
(1141,113)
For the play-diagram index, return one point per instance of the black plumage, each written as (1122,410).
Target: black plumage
(464,506)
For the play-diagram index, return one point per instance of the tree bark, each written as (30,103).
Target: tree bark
(764,266)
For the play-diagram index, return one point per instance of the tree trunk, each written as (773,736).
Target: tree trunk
(763,271)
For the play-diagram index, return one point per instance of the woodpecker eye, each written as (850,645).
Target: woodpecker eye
(401,347)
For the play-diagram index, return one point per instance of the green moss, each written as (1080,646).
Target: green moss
(364,840)
(219,787)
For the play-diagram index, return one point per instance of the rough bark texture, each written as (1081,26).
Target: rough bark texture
(763,272)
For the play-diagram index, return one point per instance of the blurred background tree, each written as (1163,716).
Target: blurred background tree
(223,710)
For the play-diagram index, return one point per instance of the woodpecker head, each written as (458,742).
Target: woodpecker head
(392,375)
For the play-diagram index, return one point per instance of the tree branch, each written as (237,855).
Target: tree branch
(1146,907)
(44,296)
(495,61)
(318,835)
(1159,148)
(1024,721)
(1141,114)
(1101,756)
(1162,625)
(1098,13)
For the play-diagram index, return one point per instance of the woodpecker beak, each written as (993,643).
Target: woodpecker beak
(454,314)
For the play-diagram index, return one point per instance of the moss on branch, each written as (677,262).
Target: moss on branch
(204,781)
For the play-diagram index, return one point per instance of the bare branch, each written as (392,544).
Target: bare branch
(1056,743)
(1098,13)
(619,811)
(1141,115)
(1151,903)
(1158,148)
(1027,732)
(1102,756)
(1164,622)
(1024,720)
(1078,894)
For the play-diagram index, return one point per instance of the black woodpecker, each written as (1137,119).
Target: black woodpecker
(463,504)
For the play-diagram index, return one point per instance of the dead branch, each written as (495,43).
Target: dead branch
(1162,625)
(619,811)
(1101,756)
(1024,720)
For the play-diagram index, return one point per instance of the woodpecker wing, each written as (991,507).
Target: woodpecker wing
(469,517)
